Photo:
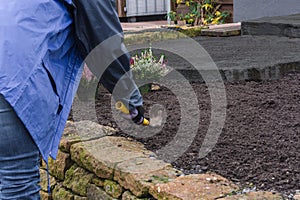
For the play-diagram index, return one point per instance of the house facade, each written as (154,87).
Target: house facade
(252,9)
(241,10)
(138,8)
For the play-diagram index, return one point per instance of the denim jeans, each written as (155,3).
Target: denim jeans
(19,158)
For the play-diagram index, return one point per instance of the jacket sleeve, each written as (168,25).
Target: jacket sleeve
(100,40)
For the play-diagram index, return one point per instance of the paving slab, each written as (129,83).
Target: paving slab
(138,26)
(236,58)
(102,155)
(261,195)
(223,30)
(284,26)
(297,197)
(197,186)
(85,130)
(140,174)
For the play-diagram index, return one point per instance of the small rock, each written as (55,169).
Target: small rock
(256,196)
(44,181)
(77,180)
(129,196)
(79,198)
(98,182)
(96,193)
(58,167)
(60,193)
(112,188)
(297,197)
(44,195)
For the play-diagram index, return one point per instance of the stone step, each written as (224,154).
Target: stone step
(223,30)
(244,74)
(283,26)
(237,58)
(196,186)
(260,195)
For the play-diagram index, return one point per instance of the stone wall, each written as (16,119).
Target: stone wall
(92,164)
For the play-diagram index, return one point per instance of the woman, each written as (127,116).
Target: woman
(41,55)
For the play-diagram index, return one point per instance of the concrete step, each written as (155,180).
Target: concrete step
(282,26)
(240,74)
(222,30)
(236,58)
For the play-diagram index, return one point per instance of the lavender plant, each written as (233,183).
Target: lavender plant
(147,67)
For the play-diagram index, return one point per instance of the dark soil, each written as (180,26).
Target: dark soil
(259,145)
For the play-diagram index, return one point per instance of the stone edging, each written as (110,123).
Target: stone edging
(175,32)
(91,164)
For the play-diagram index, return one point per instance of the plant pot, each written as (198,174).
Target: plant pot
(181,23)
(173,22)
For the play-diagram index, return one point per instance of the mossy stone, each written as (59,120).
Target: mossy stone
(112,188)
(77,180)
(60,193)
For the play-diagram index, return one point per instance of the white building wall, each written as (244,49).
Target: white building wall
(253,9)
(146,7)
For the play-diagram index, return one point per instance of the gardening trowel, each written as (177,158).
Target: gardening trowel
(156,117)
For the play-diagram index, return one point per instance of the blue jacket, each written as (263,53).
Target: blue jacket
(40,66)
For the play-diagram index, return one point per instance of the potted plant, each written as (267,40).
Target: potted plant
(173,16)
(146,69)
(200,12)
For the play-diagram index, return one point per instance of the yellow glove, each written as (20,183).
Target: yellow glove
(136,115)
